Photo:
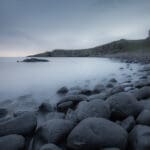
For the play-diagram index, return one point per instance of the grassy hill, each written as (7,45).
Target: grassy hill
(121,46)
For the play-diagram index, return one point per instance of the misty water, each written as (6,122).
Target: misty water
(41,80)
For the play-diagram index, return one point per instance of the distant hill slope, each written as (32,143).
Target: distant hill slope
(120,46)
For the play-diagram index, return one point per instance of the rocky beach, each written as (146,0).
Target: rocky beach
(111,116)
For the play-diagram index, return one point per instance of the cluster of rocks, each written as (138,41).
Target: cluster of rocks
(132,57)
(107,117)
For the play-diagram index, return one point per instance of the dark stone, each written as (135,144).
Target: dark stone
(102,96)
(143,93)
(45,107)
(139,138)
(123,105)
(53,131)
(63,90)
(117,89)
(113,80)
(12,142)
(23,125)
(70,101)
(71,115)
(97,133)
(99,88)
(110,85)
(144,117)
(95,108)
(142,83)
(145,104)
(86,92)
(128,123)
(50,147)
(55,115)
(3,112)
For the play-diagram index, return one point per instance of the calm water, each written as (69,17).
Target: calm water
(41,80)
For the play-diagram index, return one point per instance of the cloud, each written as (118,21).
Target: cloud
(32,26)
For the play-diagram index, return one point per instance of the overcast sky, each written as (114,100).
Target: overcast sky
(33,26)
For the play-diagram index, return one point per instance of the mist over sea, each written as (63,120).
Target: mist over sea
(41,80)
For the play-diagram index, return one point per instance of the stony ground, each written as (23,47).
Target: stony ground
(115,116)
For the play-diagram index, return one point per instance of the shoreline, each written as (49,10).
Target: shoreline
(121,110)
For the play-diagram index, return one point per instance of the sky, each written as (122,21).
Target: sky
(33,26)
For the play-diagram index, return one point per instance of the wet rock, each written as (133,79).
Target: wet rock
(143,93)
(71,115)
(63,90)
(142,83)
(126,89)
(117,89)
(53,131)
(99,88)
(128,123)
(96,133)
(12,142)
(50,147)
(19,113)
(145,104)
(55,115)
(123,105)
(3,112)
(110,85)
(139,138)
(86,92)
(102,96)
(70,101)
(23,125)
(144,117)
(95,108)
(113,80)
(45,107)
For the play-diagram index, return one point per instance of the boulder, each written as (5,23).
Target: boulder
(45,107)
(97,133)
(99,88)
(3,112)
(116,89)
(143,93)
(103,95)
(55,115)
(53,131)
(123,105)
(70,101)
(128,123)
(63,90)
(145,104)
(110,85)
(50,147)
(144,117)
(86,92)
(113,80)
(71,115)
(12,142)
(23,125)
(139,138)
(141,83)
(95,108)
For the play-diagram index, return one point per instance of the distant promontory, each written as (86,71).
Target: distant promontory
(120,46)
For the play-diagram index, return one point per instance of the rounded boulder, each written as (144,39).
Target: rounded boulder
(97,133)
